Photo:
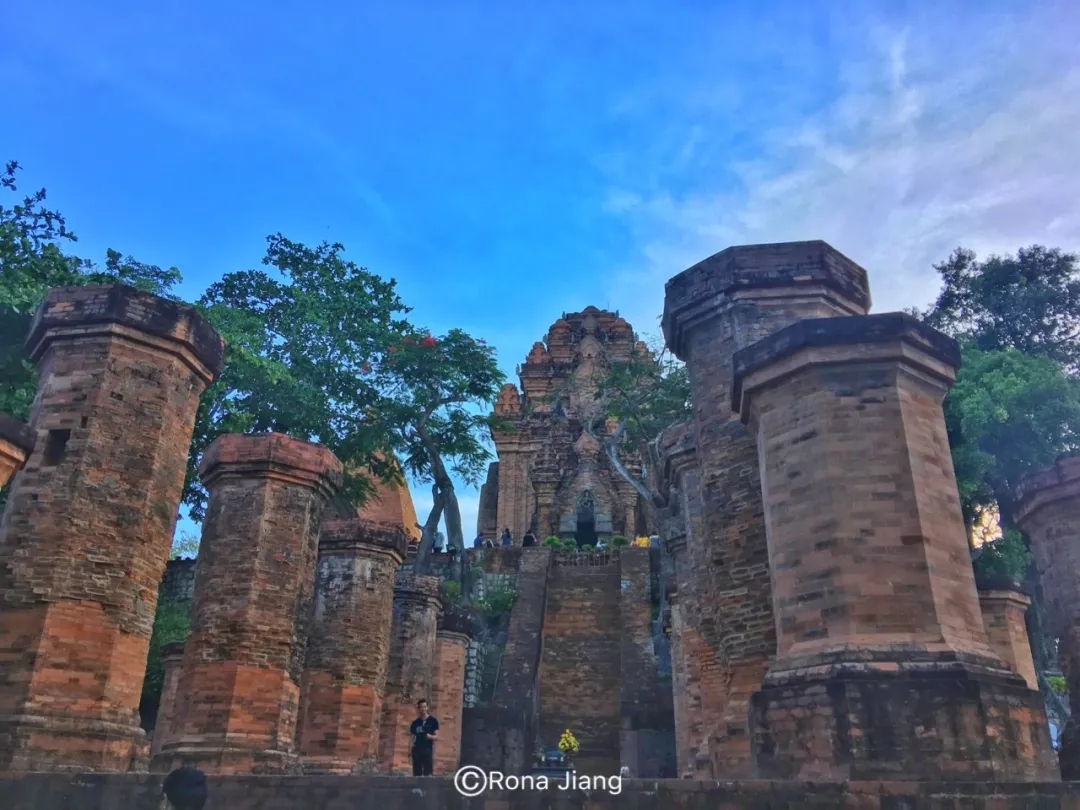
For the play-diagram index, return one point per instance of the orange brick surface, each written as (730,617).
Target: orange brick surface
(90,519)
(879,625)
(411,671)
(349,647)
(16,444)
(711,310)
(452,644)
(240,683)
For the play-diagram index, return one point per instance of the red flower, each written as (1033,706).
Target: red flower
(393,349)
(429,341)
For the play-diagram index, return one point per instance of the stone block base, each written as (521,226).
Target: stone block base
(239,719)
(340,725)
(928,721)
(70,681)
(44,743)
(224,760)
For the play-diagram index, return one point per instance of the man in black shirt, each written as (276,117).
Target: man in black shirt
(424,731)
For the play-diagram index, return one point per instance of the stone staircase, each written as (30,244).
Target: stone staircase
(579,676)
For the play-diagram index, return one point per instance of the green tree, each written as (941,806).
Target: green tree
(1008,414)
(185,547)
(34,257)
(1029,302)
(437,391)
(302,342)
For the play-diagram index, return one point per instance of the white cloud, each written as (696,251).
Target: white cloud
(923,148)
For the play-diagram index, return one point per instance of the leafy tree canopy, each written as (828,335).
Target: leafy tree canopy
(300,345)
(1029,302)
(34,244)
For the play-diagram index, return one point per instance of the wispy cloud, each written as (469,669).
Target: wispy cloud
(917,153)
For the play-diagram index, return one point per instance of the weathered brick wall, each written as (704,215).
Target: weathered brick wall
(515,690)
(240,683)
(16,444)
(143,792)
(89,521)
(1003,607)
(172,658)
(647,723)
(579,674)
(178,583)
(1048,511)
(349,647)
(487,514)
(870,568)
(452,643)
(411,672)
(716,307)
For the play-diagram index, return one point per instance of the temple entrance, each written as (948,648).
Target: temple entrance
(585,534)
(585,531)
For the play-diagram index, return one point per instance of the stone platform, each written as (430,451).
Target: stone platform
(41,791)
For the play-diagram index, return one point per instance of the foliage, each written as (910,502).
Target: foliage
(1009,413)
(185,547)
(568,743)
(1007,556)
(498,602)
(452,591)
(553,542)
(1058,684)
(172,623)
(437,394)
(301,343)
(33,258)
(1029,302)
(619,540)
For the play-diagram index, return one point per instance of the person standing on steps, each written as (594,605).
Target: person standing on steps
(507,538)
(424,731)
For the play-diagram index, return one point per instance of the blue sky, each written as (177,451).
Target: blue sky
(507,162)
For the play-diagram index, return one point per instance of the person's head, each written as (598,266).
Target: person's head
(422,707)
(185,789)
(506,530)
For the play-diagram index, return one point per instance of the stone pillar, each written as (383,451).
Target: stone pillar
(883,667)
(411,675)
(90,519)
(545,497)
(349,648)
(1003,605)
(451,649)
(172,657)
(1048,511)
(711,310)
(16,444)
(254,587)
(683,537)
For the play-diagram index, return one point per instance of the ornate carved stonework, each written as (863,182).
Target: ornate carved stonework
(552,476)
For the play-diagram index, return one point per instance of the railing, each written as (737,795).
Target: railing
(586,557)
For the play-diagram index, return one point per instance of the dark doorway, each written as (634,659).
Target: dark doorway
(586,530)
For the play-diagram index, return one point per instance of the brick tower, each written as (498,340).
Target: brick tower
(90,520)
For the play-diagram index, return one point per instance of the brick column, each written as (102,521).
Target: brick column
(349,649)
(172,657)
(1003,605)
(16,444)
(411,675)
(89,521)
(711,310)
(684,539)
(451,649)
(1048,511)
(883,668)
(254,586)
